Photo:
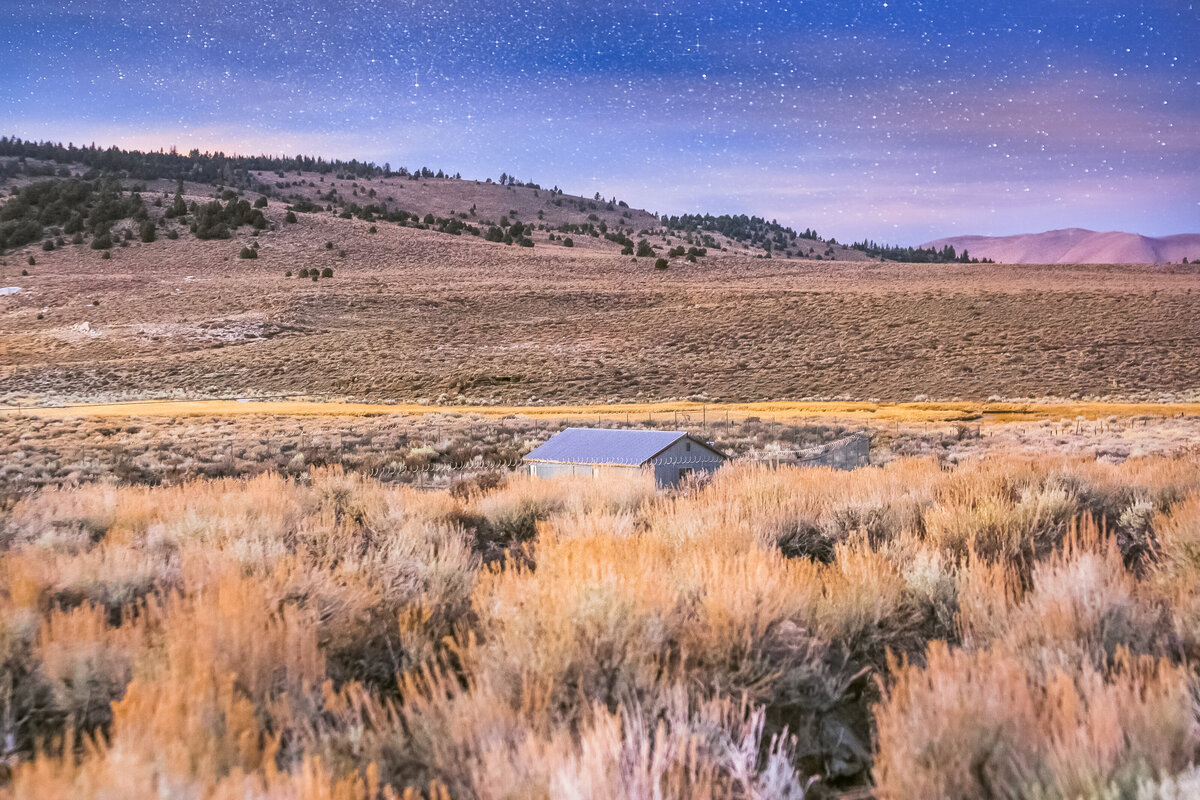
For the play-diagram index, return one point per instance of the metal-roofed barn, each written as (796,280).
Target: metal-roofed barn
(670,455)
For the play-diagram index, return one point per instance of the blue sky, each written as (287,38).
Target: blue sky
(897,121)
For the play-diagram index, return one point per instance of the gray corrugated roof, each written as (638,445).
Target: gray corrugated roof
(604,446)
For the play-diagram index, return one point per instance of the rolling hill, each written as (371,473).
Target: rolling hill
(1077,246)
(130,276)
(87,190)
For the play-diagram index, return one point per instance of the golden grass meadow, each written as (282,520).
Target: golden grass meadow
(1008,627)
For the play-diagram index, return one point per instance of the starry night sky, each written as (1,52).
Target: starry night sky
(898,121)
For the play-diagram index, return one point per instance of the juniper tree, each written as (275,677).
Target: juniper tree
(178,206)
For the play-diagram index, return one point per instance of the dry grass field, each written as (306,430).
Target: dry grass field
(417,315)
(684,412)
(1011,627)
(263,536)
(165,443)
(428,450)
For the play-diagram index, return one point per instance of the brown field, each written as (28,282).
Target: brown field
(421,316)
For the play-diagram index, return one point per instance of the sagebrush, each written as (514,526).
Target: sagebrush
(1011,627)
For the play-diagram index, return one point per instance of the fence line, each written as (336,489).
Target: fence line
(818,451)
(782,456)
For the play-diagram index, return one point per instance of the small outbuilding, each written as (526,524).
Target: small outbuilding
(670,455)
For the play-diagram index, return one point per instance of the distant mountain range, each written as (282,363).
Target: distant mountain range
(1077,246)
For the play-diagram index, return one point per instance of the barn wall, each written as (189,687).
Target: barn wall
(677,460)
(549,469)
(616,469)
(543,469)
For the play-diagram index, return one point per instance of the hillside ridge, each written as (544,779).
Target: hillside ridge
(413,197)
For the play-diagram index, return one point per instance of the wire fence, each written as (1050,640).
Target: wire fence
(810,456)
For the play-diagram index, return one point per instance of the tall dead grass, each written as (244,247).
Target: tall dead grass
(1009,628)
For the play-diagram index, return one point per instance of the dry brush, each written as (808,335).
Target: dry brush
(1007,628)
